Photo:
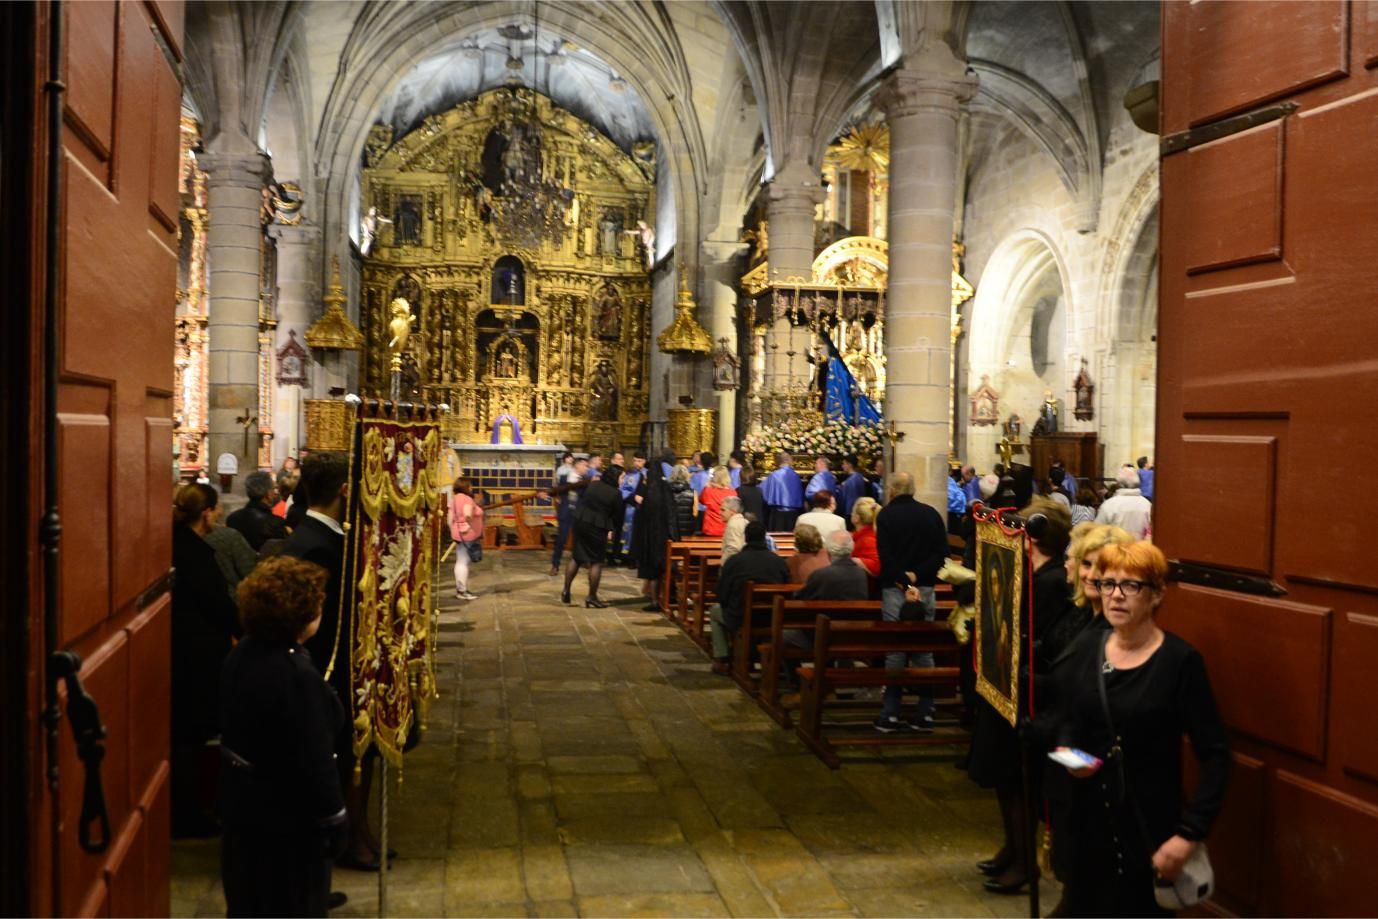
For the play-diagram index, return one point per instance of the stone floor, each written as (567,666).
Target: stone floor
(586,763)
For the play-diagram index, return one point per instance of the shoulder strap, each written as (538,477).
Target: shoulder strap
(1117,751)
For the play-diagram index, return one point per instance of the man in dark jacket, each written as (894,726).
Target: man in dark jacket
(911,539)
(844,579)
(256,519)
(755,562)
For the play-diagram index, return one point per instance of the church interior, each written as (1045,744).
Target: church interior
(925,250)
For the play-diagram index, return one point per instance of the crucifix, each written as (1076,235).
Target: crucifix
(245,420)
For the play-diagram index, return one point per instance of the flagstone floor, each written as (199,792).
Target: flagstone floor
(584,762)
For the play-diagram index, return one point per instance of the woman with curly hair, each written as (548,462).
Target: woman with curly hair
(280,800)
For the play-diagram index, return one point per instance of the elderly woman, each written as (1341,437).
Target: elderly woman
(683,494)
(280,798)
(1128,824)
(864,551)
(809,554)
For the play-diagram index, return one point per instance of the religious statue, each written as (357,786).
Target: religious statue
(610,230)
(725,367)
(409,221)
(607,314)
(647,237)
(603,393)
(447,342)
(1085,409)
(399,325)
(855,341)
(368,230)
(1047,414)
(505,364)
(1014,425)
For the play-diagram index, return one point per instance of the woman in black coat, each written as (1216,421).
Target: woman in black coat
(753,502)
(685,500)
(204,624)
(655,522)
(596,518)
(280,797)
(995,752)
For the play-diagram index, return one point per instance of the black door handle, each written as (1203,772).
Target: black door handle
(89,734)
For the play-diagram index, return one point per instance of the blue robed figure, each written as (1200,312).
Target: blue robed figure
(783,492)
(630,480)
(699,481)
(821,479)
(854,486)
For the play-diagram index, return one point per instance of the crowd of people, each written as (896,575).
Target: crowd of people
(258,617)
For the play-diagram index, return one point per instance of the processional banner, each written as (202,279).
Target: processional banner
(999,586)
(396,520)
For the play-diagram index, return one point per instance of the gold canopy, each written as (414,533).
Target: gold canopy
(333,331)
(684,335)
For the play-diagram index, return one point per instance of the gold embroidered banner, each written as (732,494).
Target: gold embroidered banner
(396,535)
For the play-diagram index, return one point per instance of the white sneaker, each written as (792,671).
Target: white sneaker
(468,596)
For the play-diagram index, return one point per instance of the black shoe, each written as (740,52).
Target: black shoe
(595,603)
(993,866)
(564,597)
(892,725)
(336,899)
(995,885)
(358,864)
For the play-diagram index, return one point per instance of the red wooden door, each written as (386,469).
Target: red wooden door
(116,297)
(1267,428)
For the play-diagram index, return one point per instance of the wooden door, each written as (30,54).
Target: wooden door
(114,315)
(1267,428)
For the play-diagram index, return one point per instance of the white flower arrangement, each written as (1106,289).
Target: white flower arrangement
(833,438)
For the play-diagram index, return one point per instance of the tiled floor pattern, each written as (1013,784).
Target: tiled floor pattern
(586,762)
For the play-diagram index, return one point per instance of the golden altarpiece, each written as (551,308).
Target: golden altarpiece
(516,232)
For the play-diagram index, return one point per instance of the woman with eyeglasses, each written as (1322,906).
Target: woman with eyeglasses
(1126,823)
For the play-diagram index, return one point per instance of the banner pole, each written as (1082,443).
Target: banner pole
(383,839)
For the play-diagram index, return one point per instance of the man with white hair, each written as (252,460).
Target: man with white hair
(843,579)
(734,527)
(1128,508)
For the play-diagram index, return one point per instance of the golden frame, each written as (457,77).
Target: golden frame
(999,581)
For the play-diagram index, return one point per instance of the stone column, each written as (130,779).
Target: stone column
(720,269)
(298,304)
(233,243)
(791,200)
(922,102)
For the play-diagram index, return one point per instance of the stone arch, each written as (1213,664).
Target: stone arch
(1128,362)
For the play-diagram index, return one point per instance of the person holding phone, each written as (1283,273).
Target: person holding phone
(1126,822)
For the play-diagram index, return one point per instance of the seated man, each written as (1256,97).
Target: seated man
(755,562)
(734,527)
(843,579)
(823,514)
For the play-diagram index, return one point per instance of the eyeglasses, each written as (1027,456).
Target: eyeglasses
(1107,586)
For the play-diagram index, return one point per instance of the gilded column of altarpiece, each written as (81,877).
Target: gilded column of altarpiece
(511,228)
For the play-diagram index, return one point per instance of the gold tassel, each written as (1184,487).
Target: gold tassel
(1045,852)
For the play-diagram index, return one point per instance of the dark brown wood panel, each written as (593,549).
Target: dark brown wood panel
(1278,690)
(1236,183)
(1302,43)
(150,693)
(1325,851)
(1356,677)
(1366,32)
(1266,387)
(1238,482)
(92,40)
(84,440)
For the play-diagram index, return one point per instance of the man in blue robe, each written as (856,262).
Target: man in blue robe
(735,462)
(630,480)
(699,480)
(853,486)
(784,495)
(971,484)
(1145,477)
(822,479)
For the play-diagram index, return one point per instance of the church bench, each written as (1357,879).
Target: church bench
(692,569)
(839,641)
(758,600)
(702,591)
(676,550)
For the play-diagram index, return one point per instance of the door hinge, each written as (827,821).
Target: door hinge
(1224,579)
(1195,137)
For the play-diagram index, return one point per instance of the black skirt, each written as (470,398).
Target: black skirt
(590,544)
(995,754)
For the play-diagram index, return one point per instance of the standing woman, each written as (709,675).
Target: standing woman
(1129,824)
(719,487)
(204,624)
(685,499)
(753,502)
(655,522)
(597,516)
(280,796)
(466,528)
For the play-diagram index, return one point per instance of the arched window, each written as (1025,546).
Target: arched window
(509,281)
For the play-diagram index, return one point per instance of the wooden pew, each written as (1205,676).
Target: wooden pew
(838,641)
(676,550)
(758,600)
(692,570)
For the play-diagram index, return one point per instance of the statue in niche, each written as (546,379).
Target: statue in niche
(603,393)
(985,404)
(408,220)
(855,341)
(408,289)
(506,361)
(557,346)
(447,340)
(607,314)
(1047,414)
(1085,410)
(610,231)
(399,325)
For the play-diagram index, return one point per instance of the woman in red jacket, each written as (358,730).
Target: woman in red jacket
(864,551)
(719,487)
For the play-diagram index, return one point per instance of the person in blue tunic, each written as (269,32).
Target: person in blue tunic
(784,495)
(852,487)
(698,480)
(1145,477)
(630,480)
(822,478)
(971,484)
(735,461)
